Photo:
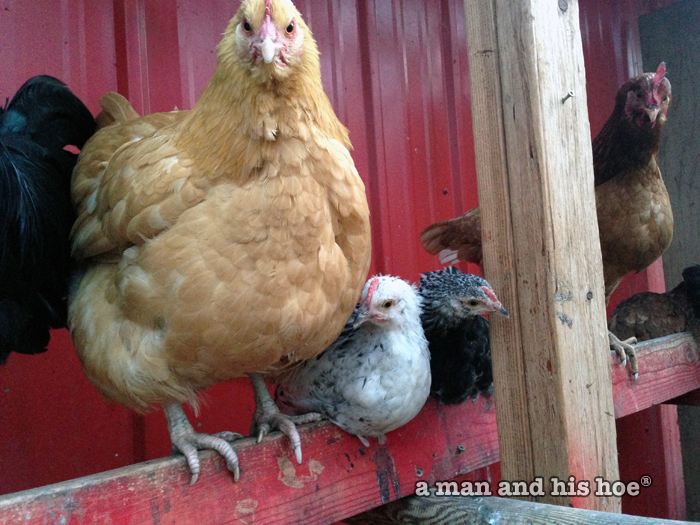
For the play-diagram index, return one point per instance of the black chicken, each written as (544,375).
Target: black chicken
(36,213)
(458,334)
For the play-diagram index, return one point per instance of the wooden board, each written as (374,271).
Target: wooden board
(541,247)
(457,511)
(338,478)
(667,366)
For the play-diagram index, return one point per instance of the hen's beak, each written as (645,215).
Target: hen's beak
(267,49)
(652,112)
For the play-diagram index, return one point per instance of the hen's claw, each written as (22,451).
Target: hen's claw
(187,441)
(268,417)
(286,424)
(625,350)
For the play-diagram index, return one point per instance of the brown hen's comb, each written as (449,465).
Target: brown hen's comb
(660,74)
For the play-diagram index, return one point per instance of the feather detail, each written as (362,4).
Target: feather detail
(35,212)
(115,109)
(651,315)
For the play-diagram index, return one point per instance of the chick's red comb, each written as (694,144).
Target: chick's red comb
(268,6)
(373,285)
(489,293)
(660,74)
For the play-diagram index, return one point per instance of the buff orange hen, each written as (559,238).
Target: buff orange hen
(225,241)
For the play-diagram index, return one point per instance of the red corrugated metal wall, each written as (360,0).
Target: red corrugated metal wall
(397,75)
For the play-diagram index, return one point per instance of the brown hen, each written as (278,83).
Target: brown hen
(225,241)
(635,222)
(651,315)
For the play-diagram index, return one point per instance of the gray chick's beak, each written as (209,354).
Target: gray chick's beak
(503,312)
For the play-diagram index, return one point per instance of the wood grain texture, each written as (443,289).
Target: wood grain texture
(339,477)
(497,230)
(539,198)
(668,367)
(458,510)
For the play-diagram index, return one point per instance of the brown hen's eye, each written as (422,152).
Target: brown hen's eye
(246,26)
(290,28)
(639,95)
(665,99)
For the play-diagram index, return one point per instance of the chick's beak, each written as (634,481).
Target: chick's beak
(495,307)
(362,317)
(368,314)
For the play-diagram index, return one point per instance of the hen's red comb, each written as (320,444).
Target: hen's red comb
(489,293)
(268,6)
(660,74)
(373,285)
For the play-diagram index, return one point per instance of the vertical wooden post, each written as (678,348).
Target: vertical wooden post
(540,242)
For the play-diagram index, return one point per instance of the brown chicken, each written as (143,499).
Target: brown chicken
(650,315)
(225,241)
(635,222)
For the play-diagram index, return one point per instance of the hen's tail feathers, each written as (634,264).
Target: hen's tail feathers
(21,331)
(45,110)
(691,278)
(115,108)
(456,240)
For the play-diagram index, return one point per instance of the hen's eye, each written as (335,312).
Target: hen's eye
(665,99)
(388,304)
(290,28)
(473,303)
(246,26)
(639,95)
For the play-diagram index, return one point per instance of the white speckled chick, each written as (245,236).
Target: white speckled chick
(376,376)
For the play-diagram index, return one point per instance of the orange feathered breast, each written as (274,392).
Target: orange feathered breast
(230,239)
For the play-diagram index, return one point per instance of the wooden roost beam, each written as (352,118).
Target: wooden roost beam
(541,248)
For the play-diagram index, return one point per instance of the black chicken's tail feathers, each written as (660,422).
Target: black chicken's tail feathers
(49,113)
(36,213)
(19,331)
